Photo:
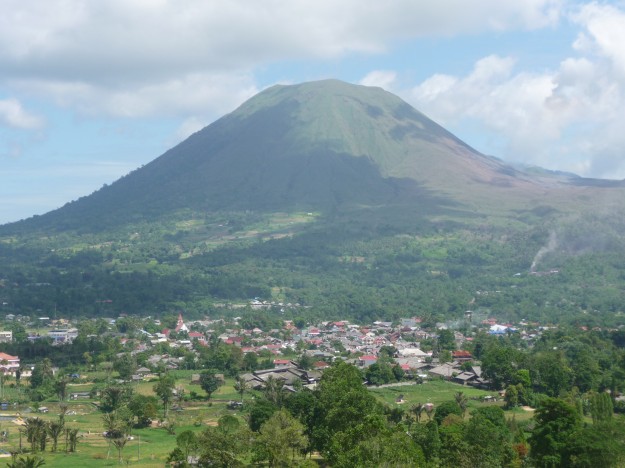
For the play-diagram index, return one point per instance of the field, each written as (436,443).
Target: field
(149,447)
(437,391)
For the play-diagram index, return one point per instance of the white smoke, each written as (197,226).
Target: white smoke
(551,245)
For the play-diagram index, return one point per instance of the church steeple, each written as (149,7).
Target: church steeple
(180,326)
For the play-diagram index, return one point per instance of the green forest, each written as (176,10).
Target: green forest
(356,267)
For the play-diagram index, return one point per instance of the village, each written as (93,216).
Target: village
(190,376)
(415,349)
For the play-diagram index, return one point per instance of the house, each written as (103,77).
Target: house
(8,363)
(413,353)
(63,335)
(367,360)
(461,356)
(445,370)
(6,336)
(288,375)
(283,363)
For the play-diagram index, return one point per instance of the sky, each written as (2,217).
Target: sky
(91,90)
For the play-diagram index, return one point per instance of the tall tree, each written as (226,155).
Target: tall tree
(164,388)
(280,438)
(209,383)
(241,386)
(556,422)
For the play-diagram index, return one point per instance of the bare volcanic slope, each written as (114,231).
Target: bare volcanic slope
(325,146)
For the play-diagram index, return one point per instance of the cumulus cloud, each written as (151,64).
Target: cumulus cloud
(381,78)
(137,57)
(567,118)
(13,114)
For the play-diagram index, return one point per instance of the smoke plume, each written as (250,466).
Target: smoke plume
(551,245)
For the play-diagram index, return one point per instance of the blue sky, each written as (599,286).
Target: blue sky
(92,90)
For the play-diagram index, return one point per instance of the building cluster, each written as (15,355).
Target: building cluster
(410,345)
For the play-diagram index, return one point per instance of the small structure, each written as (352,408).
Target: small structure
(180,325)
(8,363)
(6,336)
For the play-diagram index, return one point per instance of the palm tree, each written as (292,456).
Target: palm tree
(119,444)
(27,462)
(72,435)
(462,401)
(417,410)
(273,390)
(113,429)
(241,386)
(36,434)
(54,429)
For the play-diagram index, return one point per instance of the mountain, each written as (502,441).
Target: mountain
(319,146)
(339,197)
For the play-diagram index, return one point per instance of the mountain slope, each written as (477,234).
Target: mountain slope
(340,197)
(323,145)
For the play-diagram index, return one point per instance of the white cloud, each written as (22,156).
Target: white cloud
(140,57)
(184,95)
(381,78)
(604,34)
(13,114)
(568,118)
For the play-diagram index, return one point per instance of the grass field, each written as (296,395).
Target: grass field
(148,448)
(437,391)
(151,446)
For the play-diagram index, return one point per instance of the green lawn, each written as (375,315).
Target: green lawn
(437,391)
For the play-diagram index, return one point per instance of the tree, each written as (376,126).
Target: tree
(220,449)
(305,362)
(228,424)
(36,434)
(462,401)
(72,437)
(164,388)
(446,408)
(54,430)
(601,408)
(551,373)
(556,422)
(250,362)
(280,438)
(188,442)
(488,438)
(260,412)
(343,401)
(379,373)
(143,408)
(41,374)
(512,397)
(446,340)
(209,383)
(373,443)
(119,444)
(60,387)
(601,444)
(114,429)
(499,365)
(241,386)
(114,397)
(417,410)
(126,366)
(428,438)
(274,390)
